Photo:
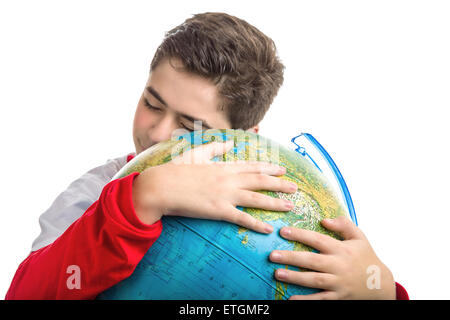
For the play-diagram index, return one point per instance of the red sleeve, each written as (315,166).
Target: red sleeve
(97,251)
(401,292)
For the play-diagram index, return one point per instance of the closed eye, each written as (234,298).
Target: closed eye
(187,127)
(152,107)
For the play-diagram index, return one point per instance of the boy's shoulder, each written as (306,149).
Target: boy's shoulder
(74,201)
(112,166)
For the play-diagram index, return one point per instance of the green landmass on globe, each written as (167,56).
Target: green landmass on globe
(202,259)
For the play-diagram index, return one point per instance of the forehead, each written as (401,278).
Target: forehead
(186,93)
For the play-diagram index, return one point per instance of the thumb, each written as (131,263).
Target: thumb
(344,227)
(205,152)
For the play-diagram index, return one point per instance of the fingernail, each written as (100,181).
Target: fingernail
(276,256)
(293,186)
(285,231)
(268,228)
(281,274)
(288,204)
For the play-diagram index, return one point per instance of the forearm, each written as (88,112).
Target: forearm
(146,199)
(98,250)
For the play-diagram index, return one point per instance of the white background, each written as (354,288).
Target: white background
(369,79)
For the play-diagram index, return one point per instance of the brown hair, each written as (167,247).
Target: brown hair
(239,59)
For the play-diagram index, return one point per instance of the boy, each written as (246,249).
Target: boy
(219,70)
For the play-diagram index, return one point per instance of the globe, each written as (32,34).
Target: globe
(204,259)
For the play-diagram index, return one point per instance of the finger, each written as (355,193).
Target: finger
(245,220)
(316,240)
(344,227)
(204,153)
(217,148)
(315,280)
(308,260)
(324,295)
(253,199)
(241,166)
(259,181)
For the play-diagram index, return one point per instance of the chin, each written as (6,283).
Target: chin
(141,148)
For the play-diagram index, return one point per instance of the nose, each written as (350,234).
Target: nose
(162,129)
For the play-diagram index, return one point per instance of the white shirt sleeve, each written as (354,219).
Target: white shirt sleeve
(74,201)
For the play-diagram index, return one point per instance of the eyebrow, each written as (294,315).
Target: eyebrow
(154,93)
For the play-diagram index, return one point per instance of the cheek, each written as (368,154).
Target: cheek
(143,119)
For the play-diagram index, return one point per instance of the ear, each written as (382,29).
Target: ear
(254,129)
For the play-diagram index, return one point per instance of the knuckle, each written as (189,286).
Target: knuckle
(253,223)
(347,251)
(314,240)
(259,167)
(284,183)
(247,221)
(286,256)
(217,205)
(261,179)
(222,180)
(315,261)
(276,204)
(280,203)
(255,198)
(319,280)
(240,218)
(343,222)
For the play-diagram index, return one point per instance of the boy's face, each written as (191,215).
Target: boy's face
(174,100)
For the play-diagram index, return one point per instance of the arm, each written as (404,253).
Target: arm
(73,202)
(98,250)
(400,292)
(192,185)
(107,242)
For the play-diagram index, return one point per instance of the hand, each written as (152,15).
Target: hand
(342,268)
(210,190)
